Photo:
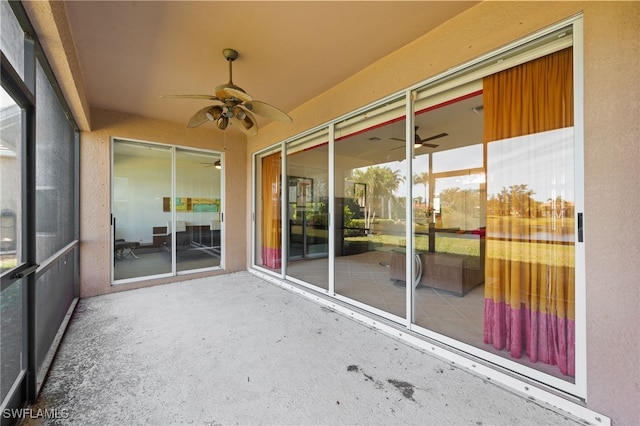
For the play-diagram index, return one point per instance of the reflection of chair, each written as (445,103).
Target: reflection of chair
(121,245)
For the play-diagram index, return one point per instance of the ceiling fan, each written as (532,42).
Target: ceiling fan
(419,142)
(217,164)
(235,106)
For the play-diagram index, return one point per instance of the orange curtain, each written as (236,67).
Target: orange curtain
(271,224)
(529,273)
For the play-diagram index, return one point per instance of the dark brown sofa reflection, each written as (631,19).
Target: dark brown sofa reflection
(455,273)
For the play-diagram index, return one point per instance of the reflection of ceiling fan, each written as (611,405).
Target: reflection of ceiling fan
(419,142)
(216,164)
(236,106)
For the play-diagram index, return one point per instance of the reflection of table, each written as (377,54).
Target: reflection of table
(122,245)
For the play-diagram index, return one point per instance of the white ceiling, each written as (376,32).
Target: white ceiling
(132,52)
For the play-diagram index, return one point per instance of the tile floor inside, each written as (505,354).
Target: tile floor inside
(365,278)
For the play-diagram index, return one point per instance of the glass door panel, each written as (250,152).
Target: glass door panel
(11,170)
(12,332)
(448,234)
(268,224)
(531,203)
(308,209)
(198,206)
(531,250)
(141,210)
(369,208)
(12,289)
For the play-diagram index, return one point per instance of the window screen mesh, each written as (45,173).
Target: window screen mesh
(55,172)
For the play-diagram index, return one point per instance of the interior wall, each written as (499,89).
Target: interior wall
(95,192)
(139,227)
(612,153)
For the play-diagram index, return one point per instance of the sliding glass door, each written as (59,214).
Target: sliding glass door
(141,186)
(449,214)
(268,207)
(198,210)
(308,209)
(162,227)
(531,215)
(13,290)
(370,208)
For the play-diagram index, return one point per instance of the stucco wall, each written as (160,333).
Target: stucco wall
(612,155)
(95,192)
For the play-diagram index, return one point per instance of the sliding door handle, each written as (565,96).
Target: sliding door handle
(580,228)
(30,270)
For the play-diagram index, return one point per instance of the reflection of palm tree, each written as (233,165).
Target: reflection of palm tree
(517,200)
(381,183)
(422,178)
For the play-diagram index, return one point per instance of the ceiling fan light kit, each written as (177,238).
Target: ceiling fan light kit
(418,142)
(213,113)
(235,106)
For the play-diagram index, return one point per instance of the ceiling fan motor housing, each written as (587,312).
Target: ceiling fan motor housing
(230,54)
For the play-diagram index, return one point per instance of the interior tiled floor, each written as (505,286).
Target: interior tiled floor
(147,262)
(365,278)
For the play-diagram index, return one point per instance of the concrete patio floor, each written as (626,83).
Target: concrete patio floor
(236,350)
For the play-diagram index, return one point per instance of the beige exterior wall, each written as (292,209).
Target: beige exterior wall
(612,155)
(95,192)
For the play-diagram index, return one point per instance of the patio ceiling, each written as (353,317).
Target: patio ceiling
(131,53)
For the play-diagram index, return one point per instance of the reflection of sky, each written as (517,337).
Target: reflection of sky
(542,161)
(464,158)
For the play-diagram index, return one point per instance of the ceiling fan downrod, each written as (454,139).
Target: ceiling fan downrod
(230,55)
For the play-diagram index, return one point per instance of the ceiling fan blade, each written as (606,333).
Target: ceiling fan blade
(199,117)
(438,136)
(423,142)
(246,126)
(268,111)
(251,123)
(209,97)
(231,91)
